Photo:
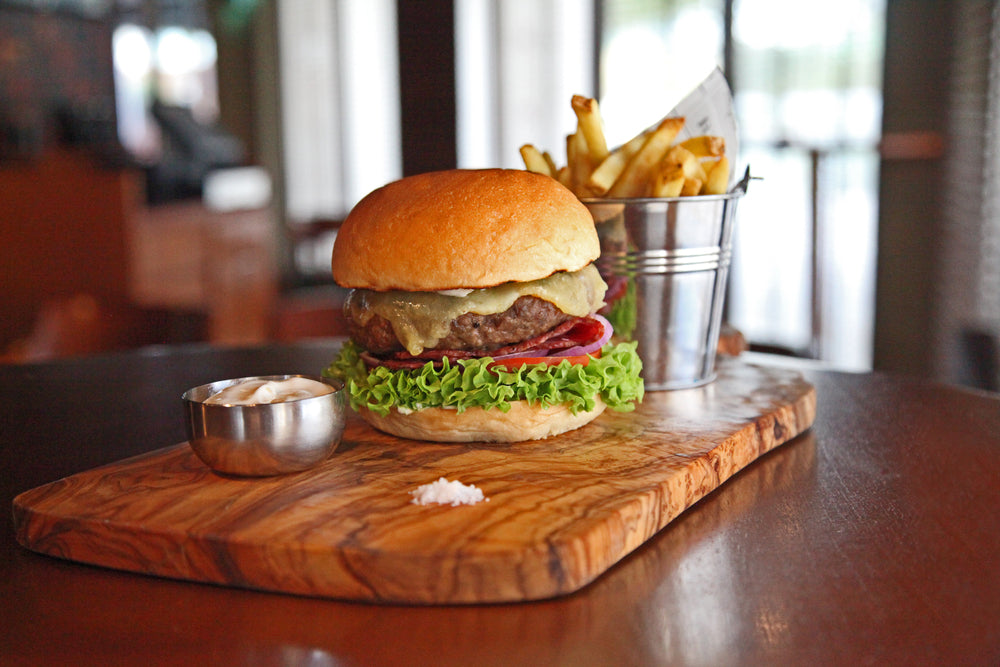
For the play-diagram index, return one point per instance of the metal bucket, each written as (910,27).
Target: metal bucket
(666,262)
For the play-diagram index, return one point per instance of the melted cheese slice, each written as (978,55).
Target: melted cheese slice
(421,319)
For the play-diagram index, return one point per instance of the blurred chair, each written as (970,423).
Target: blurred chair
(313,312)
(82,324)
(310,305)
(981,354)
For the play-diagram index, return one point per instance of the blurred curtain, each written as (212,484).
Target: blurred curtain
(967,298)
(939,219)
(339,103)
(518,63)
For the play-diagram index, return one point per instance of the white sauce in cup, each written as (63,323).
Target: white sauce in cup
(256,392)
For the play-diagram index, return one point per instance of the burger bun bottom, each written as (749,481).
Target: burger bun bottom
(522,422)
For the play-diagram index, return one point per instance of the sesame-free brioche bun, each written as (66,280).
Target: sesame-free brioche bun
(463,229)
(524,421)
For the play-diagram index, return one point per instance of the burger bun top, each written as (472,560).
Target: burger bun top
(463,229)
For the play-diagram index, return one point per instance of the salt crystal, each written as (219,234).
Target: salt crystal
(443,492)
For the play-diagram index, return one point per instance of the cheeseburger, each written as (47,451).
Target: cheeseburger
(472,311)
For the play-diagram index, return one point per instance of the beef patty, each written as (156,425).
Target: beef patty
(527,317)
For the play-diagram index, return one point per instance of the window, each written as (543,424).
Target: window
(518,64)
(806,79)
(340,103)
(807,85)
(175,61)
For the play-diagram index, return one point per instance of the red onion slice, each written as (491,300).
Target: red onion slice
(592,347)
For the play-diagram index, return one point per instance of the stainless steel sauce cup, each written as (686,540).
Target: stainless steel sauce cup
(265,438)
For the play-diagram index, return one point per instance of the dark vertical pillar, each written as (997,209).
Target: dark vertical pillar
(427,84)
(918,54)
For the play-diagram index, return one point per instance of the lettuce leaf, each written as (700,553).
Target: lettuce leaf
(622,312)
(471,383)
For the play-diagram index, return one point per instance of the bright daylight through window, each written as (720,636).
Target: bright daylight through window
(807,88)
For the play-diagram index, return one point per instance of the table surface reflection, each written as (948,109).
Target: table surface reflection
(871,539)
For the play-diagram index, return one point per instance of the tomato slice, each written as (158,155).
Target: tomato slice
(514,363)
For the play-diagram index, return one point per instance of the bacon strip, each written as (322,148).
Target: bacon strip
(574,332)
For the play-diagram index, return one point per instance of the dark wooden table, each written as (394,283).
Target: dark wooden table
(874,538)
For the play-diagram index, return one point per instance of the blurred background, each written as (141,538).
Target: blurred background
(175,170)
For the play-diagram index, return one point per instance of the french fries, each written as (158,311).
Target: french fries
(606,173)
(651,164)
(637,176)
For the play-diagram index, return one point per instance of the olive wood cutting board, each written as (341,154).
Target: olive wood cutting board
(560,511)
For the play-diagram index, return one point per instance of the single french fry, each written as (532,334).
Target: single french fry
(602,178)
(534,160)
(578,158)
(636,179)
(553,169)
(678,155)
(571,159)
(669,182)
(563,176)
(691,187)
(705,146)
(588,115)
(717,182)
(608,171)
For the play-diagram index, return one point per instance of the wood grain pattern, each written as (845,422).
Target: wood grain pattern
(560,513)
